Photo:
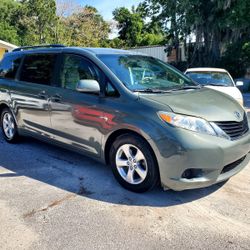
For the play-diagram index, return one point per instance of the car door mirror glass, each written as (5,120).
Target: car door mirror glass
(88,86)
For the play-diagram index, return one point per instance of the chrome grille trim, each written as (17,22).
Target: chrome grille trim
(233,129)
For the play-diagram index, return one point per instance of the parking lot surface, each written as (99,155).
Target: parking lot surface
(51,198)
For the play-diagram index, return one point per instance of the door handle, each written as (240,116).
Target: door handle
(43,95)
(56,98)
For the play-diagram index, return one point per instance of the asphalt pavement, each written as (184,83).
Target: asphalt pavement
(51,198)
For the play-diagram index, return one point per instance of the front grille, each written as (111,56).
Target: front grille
(232,165)
(234,129)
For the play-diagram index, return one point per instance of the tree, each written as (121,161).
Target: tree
(236,58)
(168,15)
(37,21)
(8,30)
(133,30)
(116,43)
(130,26)
(214,24)
(84,27)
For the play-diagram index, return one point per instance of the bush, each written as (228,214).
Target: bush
(236,59)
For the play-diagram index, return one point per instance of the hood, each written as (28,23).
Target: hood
(206,103)
(232,91)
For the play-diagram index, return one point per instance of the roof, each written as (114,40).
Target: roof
(99,51)
(96,51)
(7,45)
(205,70)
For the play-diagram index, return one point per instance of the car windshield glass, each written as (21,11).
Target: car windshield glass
(143,73)
(211,78)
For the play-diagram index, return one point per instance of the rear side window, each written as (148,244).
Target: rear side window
(38,68)
(9,66)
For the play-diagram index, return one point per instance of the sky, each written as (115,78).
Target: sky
(106,7)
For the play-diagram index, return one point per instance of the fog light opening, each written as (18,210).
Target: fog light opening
(192,173)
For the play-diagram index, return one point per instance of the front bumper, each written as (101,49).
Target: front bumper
(211,159)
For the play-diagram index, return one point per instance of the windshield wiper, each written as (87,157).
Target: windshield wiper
(214,84)
(187,87)
(149,90)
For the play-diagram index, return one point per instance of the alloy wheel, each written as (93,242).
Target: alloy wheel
(8,125)
(131,164)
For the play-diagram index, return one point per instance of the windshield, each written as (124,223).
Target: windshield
(211,78)
(141,73)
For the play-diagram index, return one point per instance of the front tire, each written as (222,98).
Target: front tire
(9,127)
(133,163)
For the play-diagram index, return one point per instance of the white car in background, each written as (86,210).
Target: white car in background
(218,79)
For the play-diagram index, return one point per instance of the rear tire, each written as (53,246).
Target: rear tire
(133,163)
(9,127)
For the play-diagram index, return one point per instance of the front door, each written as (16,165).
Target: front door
(77,118)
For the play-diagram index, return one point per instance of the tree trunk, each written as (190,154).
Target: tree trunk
(215,48)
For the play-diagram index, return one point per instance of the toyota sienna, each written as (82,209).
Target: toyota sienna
(148,121)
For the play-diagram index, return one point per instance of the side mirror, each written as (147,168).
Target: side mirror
(88,86)
(239,83)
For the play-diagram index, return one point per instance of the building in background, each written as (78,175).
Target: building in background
(154,51)
(5,47)
(161,53)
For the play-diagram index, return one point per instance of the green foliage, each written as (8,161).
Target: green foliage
(133,30)
(115,43)
(31,22)
(151,39)
(37,21)
(84,28)
(130,26)
(246,51)
(213,24)
(220,28)
(236,58)
(8,31)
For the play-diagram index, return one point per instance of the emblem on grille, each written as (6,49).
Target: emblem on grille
(237,114)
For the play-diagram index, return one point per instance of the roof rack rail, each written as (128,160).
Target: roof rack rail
(39,46)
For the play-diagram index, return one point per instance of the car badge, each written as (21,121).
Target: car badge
(237,115)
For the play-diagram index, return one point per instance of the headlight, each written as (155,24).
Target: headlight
(192,123)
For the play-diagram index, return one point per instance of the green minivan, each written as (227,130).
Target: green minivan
(149,122)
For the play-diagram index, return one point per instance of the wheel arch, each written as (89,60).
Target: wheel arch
(4,105)
(111,138)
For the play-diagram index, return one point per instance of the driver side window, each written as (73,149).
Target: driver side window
(76,68)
